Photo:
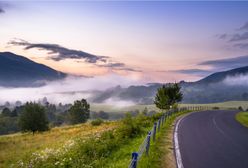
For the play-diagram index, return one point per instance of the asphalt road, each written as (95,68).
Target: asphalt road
(213,139)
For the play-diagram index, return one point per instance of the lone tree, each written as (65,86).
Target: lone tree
(167,96)
(33,118)
(79,112)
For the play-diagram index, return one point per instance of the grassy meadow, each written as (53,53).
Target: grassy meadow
(18,146)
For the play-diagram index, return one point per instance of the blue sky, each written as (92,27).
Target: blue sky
(152,41)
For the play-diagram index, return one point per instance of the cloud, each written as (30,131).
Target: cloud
(222,36)
(241,45)
(119,66)
(228,63)
(244,27)
(57,52)
(3,6)
(1,10)
(241,80)
(196,72)
(239,37)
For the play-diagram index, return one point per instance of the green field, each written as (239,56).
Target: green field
(112,108)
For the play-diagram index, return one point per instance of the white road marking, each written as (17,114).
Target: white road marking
(214,121)
(177,149)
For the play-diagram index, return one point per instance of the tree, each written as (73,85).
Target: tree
(18,103)
(167,96)
(240,108)
(6,112)
(33,118)
(79,112)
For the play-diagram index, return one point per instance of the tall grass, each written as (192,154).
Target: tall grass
(110,148)
(19,146)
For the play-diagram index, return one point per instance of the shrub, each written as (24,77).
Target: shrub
(133,126)
(97,122)
(156,116)
(216,108)
(240,108)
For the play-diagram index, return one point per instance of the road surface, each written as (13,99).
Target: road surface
(211,139)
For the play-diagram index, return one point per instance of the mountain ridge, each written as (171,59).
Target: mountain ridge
(16,71)
(210,89)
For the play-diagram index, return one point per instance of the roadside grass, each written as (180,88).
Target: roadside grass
(242,117)
(18,146)
(122,157)
(161,152)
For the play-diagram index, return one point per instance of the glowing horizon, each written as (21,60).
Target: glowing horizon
(148,41)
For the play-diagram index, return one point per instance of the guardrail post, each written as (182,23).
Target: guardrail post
(135,159)
(159,125)
(165,116)
(162,120)
(154,131)
(148,143)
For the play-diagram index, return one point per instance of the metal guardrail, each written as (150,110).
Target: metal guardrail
(145,146)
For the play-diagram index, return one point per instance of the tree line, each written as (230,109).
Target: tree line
(34,116)
(41,116)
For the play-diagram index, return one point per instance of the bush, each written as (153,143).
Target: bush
(241,108)
(216,108)
(156,116)
(97,122)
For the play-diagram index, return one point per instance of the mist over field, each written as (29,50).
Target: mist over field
(121,91)
(240,80)
(67,90)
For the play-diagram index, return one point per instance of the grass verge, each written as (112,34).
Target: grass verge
(161,153)
(242,117)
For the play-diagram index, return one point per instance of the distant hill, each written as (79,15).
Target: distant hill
(211,89)
(220,76)
(16,70)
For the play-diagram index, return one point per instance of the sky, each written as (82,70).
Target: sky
(146,41)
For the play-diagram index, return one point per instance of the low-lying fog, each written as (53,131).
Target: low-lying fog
(67,90)
(75,88)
